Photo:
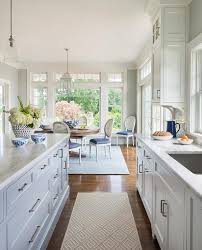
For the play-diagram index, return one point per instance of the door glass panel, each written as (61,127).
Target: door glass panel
(115,107)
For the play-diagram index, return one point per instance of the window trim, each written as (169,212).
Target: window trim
(192,47)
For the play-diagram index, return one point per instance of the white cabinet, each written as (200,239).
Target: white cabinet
(173,73)
(33,202)
(163,196)
(169,56)
(159,216)
(156,61)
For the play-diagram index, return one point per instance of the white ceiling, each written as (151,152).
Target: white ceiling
(94,30)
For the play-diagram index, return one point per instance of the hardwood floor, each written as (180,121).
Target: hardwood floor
(107,183)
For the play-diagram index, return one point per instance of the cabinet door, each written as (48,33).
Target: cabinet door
(174,24)
(175,222)
(147,183)
(3,237)
(156,74)
(139,174)
(173,73)
(159,219)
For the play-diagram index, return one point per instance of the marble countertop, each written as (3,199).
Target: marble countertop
(162,150)
(13,161)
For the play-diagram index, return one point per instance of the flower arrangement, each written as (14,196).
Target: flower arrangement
(68,110)
(25,115)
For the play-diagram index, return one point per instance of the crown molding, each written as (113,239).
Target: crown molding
(175,2)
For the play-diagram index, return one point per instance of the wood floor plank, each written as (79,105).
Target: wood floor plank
(107,183)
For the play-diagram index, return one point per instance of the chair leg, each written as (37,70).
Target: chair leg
(90,150)
(80,156)
(96,153)
(133,138)
(127,141)
(117,141)
(81,144)
(110,154)
(105,151)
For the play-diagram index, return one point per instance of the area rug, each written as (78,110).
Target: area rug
(101,221)
(104,165)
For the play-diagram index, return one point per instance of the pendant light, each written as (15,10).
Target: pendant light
(11,55)
(66,83)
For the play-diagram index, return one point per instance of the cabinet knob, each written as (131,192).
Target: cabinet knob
(22,188)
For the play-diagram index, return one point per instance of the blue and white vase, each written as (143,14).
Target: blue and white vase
(72,123)
(22,131)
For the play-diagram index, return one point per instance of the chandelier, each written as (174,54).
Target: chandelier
(66,83)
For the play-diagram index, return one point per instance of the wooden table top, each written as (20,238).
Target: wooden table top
(75,132)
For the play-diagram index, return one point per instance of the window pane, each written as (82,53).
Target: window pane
(115,77)
(115,107)
(146,109)
(39,77)
(88,99)
(40,98)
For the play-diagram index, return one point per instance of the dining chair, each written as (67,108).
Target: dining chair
(103,142)
(129,131)
(63,128)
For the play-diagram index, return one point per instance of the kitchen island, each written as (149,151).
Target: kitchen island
(33,190)
(171,193)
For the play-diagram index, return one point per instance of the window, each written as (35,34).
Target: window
(146,109)
(115,77)
(115,107)
(88,99)
(145,70)
(39,77)
(40,98)
(196,90)
(156,117)
(2,108)
(81,78)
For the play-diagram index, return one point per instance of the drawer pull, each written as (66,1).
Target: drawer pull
(65,167)
(22,188)
(44,166)
(32,209)
(55,155)
(164,213)
(140,170)
(148,157)
(55,176)
(55,198)
(34,235)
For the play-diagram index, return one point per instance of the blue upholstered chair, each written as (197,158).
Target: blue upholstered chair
(63,128)
(103,142)
(129,125)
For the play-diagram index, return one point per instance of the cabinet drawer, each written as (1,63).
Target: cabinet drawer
(42,168)
(15,191)
(55,193)
(29,236)
(140,148)
(1,207)
(148,159)
(175,186)
(25,210)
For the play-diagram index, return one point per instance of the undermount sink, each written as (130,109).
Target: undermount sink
(193,162)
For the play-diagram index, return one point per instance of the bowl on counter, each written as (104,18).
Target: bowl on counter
(18,142)
(38,138)
(162,138)
(185,142)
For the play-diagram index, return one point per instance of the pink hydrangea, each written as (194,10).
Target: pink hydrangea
(67,110)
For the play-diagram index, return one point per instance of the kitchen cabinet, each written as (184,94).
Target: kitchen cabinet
(163,196)
(169,50)
(30,204)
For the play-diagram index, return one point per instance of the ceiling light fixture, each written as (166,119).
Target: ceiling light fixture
(11,54)
(66,83)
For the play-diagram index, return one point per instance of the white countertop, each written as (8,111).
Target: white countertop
(162,148)
(13,161)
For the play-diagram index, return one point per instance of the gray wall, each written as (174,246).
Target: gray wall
(132,92)
(195,18)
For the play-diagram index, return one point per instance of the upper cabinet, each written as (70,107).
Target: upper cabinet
(169,50)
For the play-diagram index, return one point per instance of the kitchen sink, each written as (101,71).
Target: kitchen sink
(193,162)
